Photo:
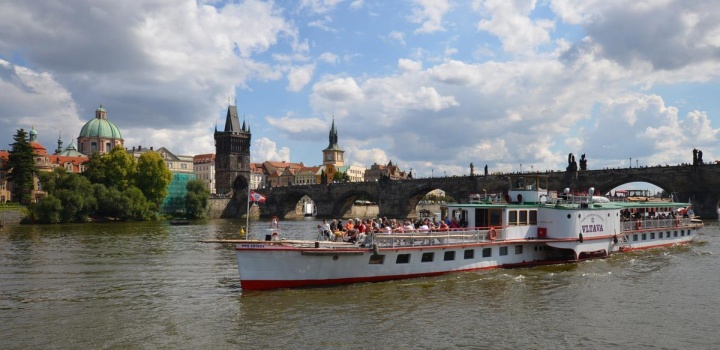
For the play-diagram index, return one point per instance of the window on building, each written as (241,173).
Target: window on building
(93,147)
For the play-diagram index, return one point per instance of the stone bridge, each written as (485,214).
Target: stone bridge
(398,198)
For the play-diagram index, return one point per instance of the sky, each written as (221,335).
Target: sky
(431,85)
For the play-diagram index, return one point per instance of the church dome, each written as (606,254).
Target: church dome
(100,127)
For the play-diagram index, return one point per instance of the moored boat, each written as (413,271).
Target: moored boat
(533,226)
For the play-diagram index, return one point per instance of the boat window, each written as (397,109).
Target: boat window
(485,217)
(503,251)
(403,259)
(667,234)
(518,249)
(486,252)
(377,259)
(427,257)
(523,217)
(682,232)
(533,217)
(635,237)
(512,217)
(675,235)
(652,235)
(449,255)
(469,254)
(644,236)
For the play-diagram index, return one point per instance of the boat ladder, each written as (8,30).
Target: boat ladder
(623,242)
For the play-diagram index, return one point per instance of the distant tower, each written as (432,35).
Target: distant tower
(59,149)
(232,154)
(333,154)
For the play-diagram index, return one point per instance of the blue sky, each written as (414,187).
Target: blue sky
(427,84)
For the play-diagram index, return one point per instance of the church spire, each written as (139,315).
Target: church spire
(60,142)
(333,137)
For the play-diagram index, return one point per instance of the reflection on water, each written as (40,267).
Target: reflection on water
(152,285)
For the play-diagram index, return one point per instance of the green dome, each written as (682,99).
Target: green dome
(101,128)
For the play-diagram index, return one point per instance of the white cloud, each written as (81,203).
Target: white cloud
(357,4)
(409,65)
(328,57)
(319,6)
(265,149)
(298,77)
(429,13)
(510,21)
(397,36)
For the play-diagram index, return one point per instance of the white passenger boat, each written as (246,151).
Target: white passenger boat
(533,226)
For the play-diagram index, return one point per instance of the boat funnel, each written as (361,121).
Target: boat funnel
(591,192)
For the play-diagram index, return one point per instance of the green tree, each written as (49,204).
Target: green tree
(341,177)
(120,168)
(95,169)
(74,192)
(196,199)
(153,178)
(47,210)
(21,166)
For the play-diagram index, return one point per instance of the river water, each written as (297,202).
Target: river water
(150,285)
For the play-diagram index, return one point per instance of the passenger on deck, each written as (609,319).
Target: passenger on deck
(454,223)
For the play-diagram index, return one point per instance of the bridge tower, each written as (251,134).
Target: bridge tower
(333,155)
(232,155)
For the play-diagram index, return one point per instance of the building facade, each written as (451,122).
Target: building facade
(204,169)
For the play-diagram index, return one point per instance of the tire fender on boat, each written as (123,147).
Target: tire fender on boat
(580,238)
(615,239)
(492,234)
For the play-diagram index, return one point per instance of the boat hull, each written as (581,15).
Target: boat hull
(264,266)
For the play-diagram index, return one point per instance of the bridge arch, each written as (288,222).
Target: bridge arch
(342,206)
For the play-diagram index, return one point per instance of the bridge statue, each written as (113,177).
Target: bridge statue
(583,162)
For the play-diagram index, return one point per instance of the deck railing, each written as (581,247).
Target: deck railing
(649,224)
(412,238)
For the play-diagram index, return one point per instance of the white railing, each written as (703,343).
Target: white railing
(649,224)
(434,237)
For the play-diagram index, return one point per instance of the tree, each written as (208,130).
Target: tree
(47,210)
(74,192)
(120,168)
(196,199)
(21,167)
(153,178)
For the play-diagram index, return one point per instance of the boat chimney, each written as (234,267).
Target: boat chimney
(591,192)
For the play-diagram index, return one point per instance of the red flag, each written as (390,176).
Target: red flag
(256,197)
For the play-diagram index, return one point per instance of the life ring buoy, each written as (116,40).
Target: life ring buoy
(638,224)
(492,234)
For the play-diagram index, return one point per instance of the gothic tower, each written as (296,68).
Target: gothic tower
(232,154)
(332,155)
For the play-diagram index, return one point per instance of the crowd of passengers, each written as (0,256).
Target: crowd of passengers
(627,215)
(355,230)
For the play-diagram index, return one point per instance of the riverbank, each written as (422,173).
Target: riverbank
(13,215)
